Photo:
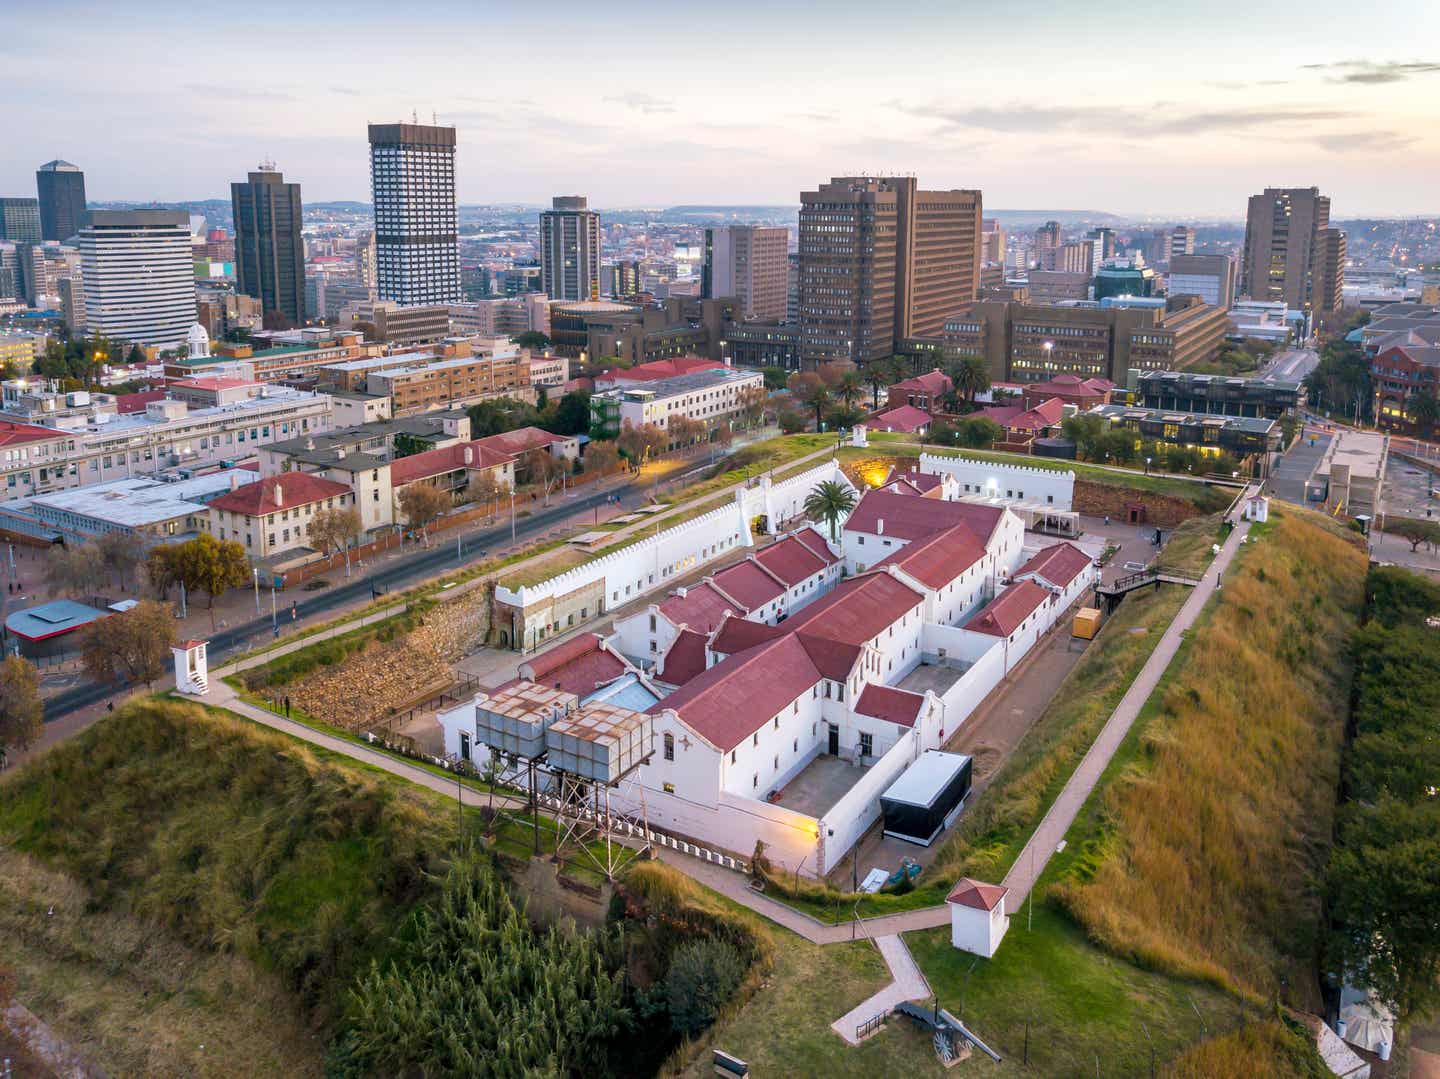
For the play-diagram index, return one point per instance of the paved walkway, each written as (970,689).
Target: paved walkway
(909,984)
(1057,820)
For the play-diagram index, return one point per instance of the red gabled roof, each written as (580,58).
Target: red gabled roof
(685,659)
(1003,614)
(977,894)
(932,382)
(790,560)
(521,440)
(747,583)
(296,489)
(17,434)
(702,608)
(856,610)
(1018,418)
(898,706)
(816,543)
(733,699)
(419,466)
(1059,564)
(127,403)
(937,560)
(900,418)
(578,666)
(909,517)
(738,634)
(1073,384)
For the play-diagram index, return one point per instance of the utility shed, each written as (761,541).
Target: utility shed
(926,796)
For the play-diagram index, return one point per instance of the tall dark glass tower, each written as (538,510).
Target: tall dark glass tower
(61,187)
(269,253)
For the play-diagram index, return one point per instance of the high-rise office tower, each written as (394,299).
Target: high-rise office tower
(1106,236)
(269,254)
(61,187)
(412,183)
(1291,253)
(570,249)
(19,219)
(1047,245)
(1182,240)
(1211,277)
(138,275)
(881,260)
(749,263)
(992,241)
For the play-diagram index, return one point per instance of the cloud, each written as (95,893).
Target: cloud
(1161,121)
(1374,72)
(348,91)
(233,93)
(643,102)
(1364,142)
(1221,84)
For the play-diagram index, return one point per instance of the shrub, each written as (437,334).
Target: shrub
(703,976)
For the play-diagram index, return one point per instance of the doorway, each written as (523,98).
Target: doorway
(834,747)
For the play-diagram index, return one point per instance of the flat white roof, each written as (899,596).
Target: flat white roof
(923,781)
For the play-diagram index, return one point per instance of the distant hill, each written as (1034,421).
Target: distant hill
(1036,218)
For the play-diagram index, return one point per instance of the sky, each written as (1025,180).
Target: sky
(1124,107)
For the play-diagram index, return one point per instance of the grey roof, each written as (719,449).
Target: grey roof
(694,380)
(1255,425)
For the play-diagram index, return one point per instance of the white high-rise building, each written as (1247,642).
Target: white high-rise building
(412,183)
(570,250)
(138,276)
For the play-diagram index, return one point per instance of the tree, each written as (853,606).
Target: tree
(978,432)
(849,388)
(843,416)
(724,433)
(792,422)
(531,339)
(602,457)
(334,529)
(120,553)
(1084,430)
(685,432)
(879,374)
(1414,531)
(162,568)
(405,445)
(131,646)
(571,415)
(810,390)
(545,470)
(703,975)
(137,357)
(828,502)
(22,713)
(486,488)
(640,443)
(1424,409)
(422,503)
(970,376)
(212,566)
(774,377)
(73,571)
(750,402)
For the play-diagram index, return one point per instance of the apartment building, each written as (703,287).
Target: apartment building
(570,249)
(272,517)
(451,382)
(397,324)
(269,357)
(749,263)
(1178,391)
(706,395)
(412,183)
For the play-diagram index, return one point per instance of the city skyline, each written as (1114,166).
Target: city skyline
(1051,107)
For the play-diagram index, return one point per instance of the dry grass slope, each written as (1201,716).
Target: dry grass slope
(1211,843)
(1265,1050)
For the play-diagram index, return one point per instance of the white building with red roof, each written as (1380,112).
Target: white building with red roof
(1063,568)
(272,516)
(978,922)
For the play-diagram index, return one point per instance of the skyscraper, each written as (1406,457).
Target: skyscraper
(269,254)
(749,263)
(1291,253)
(412,183)
(881,260)
(1182,241)
(19,219)
(992,241)
(570,249)
(61,187)
(138,276)
(1211,277)
(1047,245)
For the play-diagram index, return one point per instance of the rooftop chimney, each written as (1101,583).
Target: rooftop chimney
(469,455)
(880,527)
(279,495)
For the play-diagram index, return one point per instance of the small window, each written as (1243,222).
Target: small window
(755,739)
(668,788)
(867,745)
(669,747)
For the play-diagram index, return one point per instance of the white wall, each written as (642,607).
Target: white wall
(977,931)
(1014,483)
(849,818)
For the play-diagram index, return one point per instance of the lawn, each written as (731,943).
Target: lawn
(1190,549)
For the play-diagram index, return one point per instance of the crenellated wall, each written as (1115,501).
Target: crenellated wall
(1013,483)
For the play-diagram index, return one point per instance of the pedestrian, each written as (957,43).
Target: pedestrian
(287,707)
(1107,520)
(294,610)
(109,706)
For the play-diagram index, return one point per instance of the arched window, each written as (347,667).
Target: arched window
(669,747)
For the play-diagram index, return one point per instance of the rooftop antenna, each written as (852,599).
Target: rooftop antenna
(414,117)
(433,121)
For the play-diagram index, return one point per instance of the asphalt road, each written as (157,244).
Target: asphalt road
(1292,365)
(400,575)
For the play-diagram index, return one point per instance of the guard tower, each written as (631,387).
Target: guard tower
(192,668)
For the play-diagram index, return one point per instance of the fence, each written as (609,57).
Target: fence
(870,1026)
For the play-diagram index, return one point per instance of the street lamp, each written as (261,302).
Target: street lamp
(255,573)
(1147,466)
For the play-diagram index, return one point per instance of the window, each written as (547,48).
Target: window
(732,756)
(776,763)
(755,739)
(464,745)
(669,747)
(867,745)
(668,788)
(755,780)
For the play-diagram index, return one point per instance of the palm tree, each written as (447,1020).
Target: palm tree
(970,376)
(881,373)
(1424,409)
(849,388)
(829,502)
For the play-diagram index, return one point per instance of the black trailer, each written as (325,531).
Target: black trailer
(926,797)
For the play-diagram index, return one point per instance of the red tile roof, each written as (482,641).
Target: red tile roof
(733,699)
(1073,384)
(1017,418)
(747,583)
(898,706)
(856,610)
(790,560)
(17,434)
(937,560)
(296,489)
(909,517)
(655,369)
(126,403)
(932,382)
(977,894)
(579,666)
(686,658)
(900,418)
(702,608)
(1059,564)
(1003,614)
(815,542)
(738,634)
(520,440)
(419,466)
